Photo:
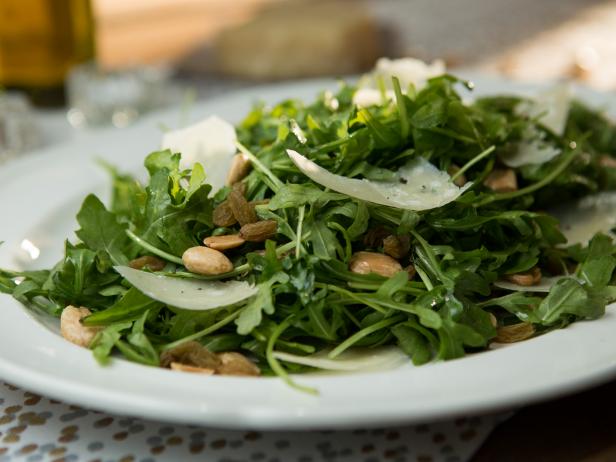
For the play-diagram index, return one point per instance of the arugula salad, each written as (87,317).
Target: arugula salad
(399,219)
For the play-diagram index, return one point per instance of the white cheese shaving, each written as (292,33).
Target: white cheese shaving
(190,294)
(407,70)
(353,360)
(551,106)
(580,221)
(532,150)
(210,142)
(419,185)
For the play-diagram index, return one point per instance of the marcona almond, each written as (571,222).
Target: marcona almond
(372,262)
(230,241)
(233,363)
(493,320)
(514,332)
(259,231)
(190,353)
(147,261)
(186,368)
(527,278)
(73,330)
(206,261)
(607,161)
(411,271)
(223,215)
(243,212)
(502,180)
(240,166)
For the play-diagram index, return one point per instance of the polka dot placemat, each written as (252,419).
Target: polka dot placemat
(33,429)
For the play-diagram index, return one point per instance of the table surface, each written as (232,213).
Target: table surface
(580,428)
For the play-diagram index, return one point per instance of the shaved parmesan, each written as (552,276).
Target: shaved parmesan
(580,221)
(544,286)
(551,106)
(532,150)
(210,142)
(353,360)
(419,185)
(190,294)
(409,71)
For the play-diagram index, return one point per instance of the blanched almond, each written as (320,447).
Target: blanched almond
(194,369)
(527,278)
(230,241)
(206,261)
(607,161)
(372,262)
(502,180)
(240,166)
(514,333)
(236,364)
(73,330)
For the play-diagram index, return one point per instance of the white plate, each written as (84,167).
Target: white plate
(39,197)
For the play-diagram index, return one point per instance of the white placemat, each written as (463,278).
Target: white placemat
(33,429)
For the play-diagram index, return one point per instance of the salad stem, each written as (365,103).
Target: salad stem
(202,333)
(363,333)
(300,222)
(473,161)
(275,364)
(154,250)
(259,165)
(568,158)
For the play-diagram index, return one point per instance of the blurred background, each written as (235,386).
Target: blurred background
(109,61)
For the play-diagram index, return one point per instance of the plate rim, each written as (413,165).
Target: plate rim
(302,416)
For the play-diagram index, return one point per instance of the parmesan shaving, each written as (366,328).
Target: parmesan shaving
(353,360)
(189,294)
(210,142)
(419,185)
(409,71)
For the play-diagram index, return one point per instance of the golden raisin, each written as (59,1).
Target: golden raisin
(148,262)
(259,231)
(243,212)
(223,215)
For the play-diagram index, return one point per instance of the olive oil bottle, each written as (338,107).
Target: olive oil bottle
(40,40)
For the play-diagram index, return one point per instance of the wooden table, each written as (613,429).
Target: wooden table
(578,428)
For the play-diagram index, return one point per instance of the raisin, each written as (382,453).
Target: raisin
(259,231)
(223,215)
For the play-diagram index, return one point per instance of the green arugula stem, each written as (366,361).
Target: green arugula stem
(275,364)
(154,250)
(260,166)
(404,122)
(356,337)
(567,159)
(424,278)
(202,333)
(473,161)
(300,222)
(351,295)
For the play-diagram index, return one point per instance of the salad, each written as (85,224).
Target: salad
(397,220)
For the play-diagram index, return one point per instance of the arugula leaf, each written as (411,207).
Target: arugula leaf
(100,230)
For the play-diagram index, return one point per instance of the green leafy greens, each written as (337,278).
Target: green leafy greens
(308,299)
